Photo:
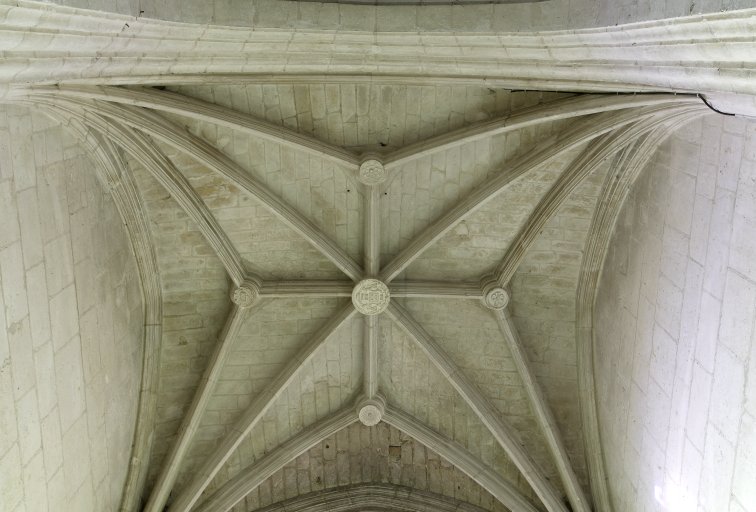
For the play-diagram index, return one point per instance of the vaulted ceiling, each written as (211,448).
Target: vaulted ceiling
(365,284)
(365,293)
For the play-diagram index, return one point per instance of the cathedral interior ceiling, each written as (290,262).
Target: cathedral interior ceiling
(364,282)
(304,283)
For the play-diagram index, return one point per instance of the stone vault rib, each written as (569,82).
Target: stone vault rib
(153,159)
(193,416)
(371,173)
(372,231)
(180,104)
(360,497)
(197,109)
(188,496)
(145,151)
(552,111)
(584,131)
(456,454)
(305,288)
(617,184)
(581,167)
(122,188)
(437,289)
(542,413)
(208,155)
(624,72)
(715,53)
(370,354)
(410,288)
(250,477)
(503,433)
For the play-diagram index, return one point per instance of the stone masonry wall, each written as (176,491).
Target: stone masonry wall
(514,17)
(360,454)
(675,347)
(71,326)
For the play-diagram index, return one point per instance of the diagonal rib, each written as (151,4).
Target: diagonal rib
(166,131)
(176,103)
(163,170)
(188,496)
(567,108)
(581,167)
(505,435)
(465,461)
(252,476)
(194,414)
(584,131)
(543,414)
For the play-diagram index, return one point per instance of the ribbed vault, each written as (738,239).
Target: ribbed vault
(448,227)
(360,497)
(374,293)
(473,228)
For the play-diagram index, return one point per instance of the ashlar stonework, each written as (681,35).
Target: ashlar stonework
(363,257)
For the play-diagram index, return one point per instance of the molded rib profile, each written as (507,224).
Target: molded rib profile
(372,233)
(370,354)
(543,414)
(712,54)
(579,169)
(249,478)
(193,417)
(466,462)
(557,110)
(301,289)
(162,169)
(488,415)
(361,497)
(167,101)
(208,155)
(584,131)
(616,187)
(118,180)
(188,496)
(436,289)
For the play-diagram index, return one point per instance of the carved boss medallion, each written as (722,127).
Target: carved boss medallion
(370,411)
(370,297)
(370,415)
(496,298)
(372,172)
(246,294)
